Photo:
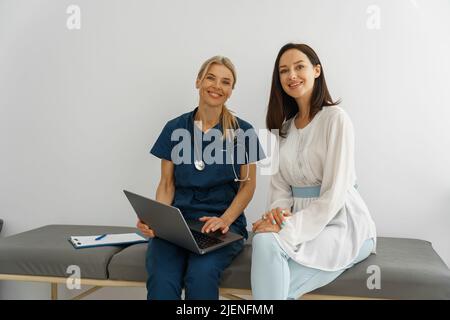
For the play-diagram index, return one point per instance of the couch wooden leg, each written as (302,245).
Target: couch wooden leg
(54,291)
(86,293)
(231,296)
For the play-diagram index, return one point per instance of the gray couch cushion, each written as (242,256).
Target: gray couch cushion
(237,275)
(410,269)
(46,251)
(129,264)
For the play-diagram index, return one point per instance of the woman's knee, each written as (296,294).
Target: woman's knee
(265,242)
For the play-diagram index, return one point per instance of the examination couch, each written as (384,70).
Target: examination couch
(401,269)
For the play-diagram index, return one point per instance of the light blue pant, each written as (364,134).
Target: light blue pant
(275,276)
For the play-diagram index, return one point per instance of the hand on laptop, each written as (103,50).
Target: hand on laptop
(213,224)
(145,229)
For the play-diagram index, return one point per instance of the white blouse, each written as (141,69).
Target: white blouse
(326,232)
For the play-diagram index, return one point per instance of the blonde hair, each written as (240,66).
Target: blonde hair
(228,120)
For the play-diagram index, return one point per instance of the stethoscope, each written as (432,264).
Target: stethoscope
(200,164)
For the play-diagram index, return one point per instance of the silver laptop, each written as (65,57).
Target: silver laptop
(169,224)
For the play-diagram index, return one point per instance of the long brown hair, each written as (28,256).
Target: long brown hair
(283,107)
(227,118)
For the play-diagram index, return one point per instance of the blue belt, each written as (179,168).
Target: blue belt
(308,191)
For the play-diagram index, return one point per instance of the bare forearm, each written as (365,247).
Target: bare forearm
(240,202)
(165,193)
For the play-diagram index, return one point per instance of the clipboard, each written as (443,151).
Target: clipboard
(81,242)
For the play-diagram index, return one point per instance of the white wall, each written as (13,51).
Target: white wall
(79,109)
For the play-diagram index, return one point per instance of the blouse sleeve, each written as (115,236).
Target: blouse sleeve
(338,178)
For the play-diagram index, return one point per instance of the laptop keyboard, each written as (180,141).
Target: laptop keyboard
(204,241)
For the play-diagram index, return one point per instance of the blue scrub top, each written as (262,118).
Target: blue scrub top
(208,192)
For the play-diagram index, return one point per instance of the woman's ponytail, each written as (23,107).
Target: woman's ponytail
(229,121)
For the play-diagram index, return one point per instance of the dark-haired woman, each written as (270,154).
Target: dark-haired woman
(317,225)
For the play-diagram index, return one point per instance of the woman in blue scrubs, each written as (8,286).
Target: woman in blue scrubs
(215,193)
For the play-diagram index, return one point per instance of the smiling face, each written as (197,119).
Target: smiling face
(216,85)
(297,74)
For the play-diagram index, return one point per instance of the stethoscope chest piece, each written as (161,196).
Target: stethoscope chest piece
(199,165)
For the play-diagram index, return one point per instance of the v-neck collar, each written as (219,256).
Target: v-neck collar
(192,123)
(309,125)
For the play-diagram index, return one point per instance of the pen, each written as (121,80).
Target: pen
(100,237)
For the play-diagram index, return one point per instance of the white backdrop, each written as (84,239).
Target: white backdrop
(80,109)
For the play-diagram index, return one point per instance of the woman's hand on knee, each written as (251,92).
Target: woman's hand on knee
(266,226)
(279,215)
(145,229)
(271,221)
(256,224)
(275,216)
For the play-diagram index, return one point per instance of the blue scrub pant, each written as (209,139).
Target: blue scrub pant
(171,268)
(275,276)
